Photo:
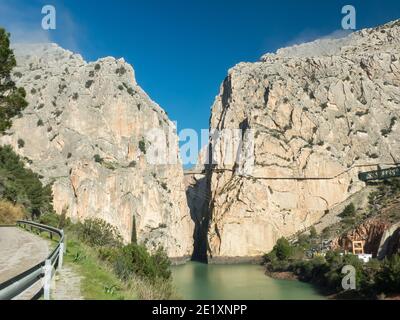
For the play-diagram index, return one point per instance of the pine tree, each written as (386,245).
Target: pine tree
(18,185)
(12,99)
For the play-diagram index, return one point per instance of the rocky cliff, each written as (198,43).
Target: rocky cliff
(319,113)
(85,130)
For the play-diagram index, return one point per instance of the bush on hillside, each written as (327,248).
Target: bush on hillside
(283,249)
(348,212)
(21,185)
(98,233)
(388,279)
(55,220)
(135,260)
(10,213)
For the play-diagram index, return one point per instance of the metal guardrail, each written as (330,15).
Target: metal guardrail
(45,269)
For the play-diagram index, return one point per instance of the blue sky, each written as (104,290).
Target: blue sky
(181,49)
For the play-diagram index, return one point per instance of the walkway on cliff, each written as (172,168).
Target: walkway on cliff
(379,174)
(67,285)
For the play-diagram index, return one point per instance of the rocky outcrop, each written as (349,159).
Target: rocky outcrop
(380,238)
(85,130)
(390,242)
(316,114)
(370,232)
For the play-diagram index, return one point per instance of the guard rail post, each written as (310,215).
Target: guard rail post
(61,255)
(47,279)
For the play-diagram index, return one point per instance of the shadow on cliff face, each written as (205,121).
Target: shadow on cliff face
(198,198)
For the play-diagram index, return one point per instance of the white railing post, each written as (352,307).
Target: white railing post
(65,242)
(61,255)
(47,279)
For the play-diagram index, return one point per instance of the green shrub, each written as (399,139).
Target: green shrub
(88,84)
(97,233)
(142,146)
(97,158)
(283,249)
(164,186)
(308,270)
(388,280)
(50,219)
(135,260)
(348,212)
(277,259)
(120,71)
(108,254)
(21,143)
(40,123)
(21,185)
(313,233)
(132,164)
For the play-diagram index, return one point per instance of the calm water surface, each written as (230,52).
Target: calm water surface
(245,281)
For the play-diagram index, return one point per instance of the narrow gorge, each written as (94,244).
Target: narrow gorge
(315,114)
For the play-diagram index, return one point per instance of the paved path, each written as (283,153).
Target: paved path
(67,285)
(19,251)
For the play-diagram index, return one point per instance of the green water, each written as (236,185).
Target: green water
(248,282)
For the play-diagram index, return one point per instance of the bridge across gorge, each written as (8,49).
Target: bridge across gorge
(380,174)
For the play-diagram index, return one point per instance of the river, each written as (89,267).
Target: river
(243,281)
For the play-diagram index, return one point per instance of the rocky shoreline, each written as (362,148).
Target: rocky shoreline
(284,275)
(235,260)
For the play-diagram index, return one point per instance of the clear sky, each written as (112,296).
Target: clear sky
(181,49)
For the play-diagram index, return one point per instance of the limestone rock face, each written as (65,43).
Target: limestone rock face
(85,129)
(390,241)
(322,111)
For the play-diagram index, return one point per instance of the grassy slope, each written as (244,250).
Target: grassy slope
(98,283)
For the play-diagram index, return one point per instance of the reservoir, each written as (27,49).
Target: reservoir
(242,281)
